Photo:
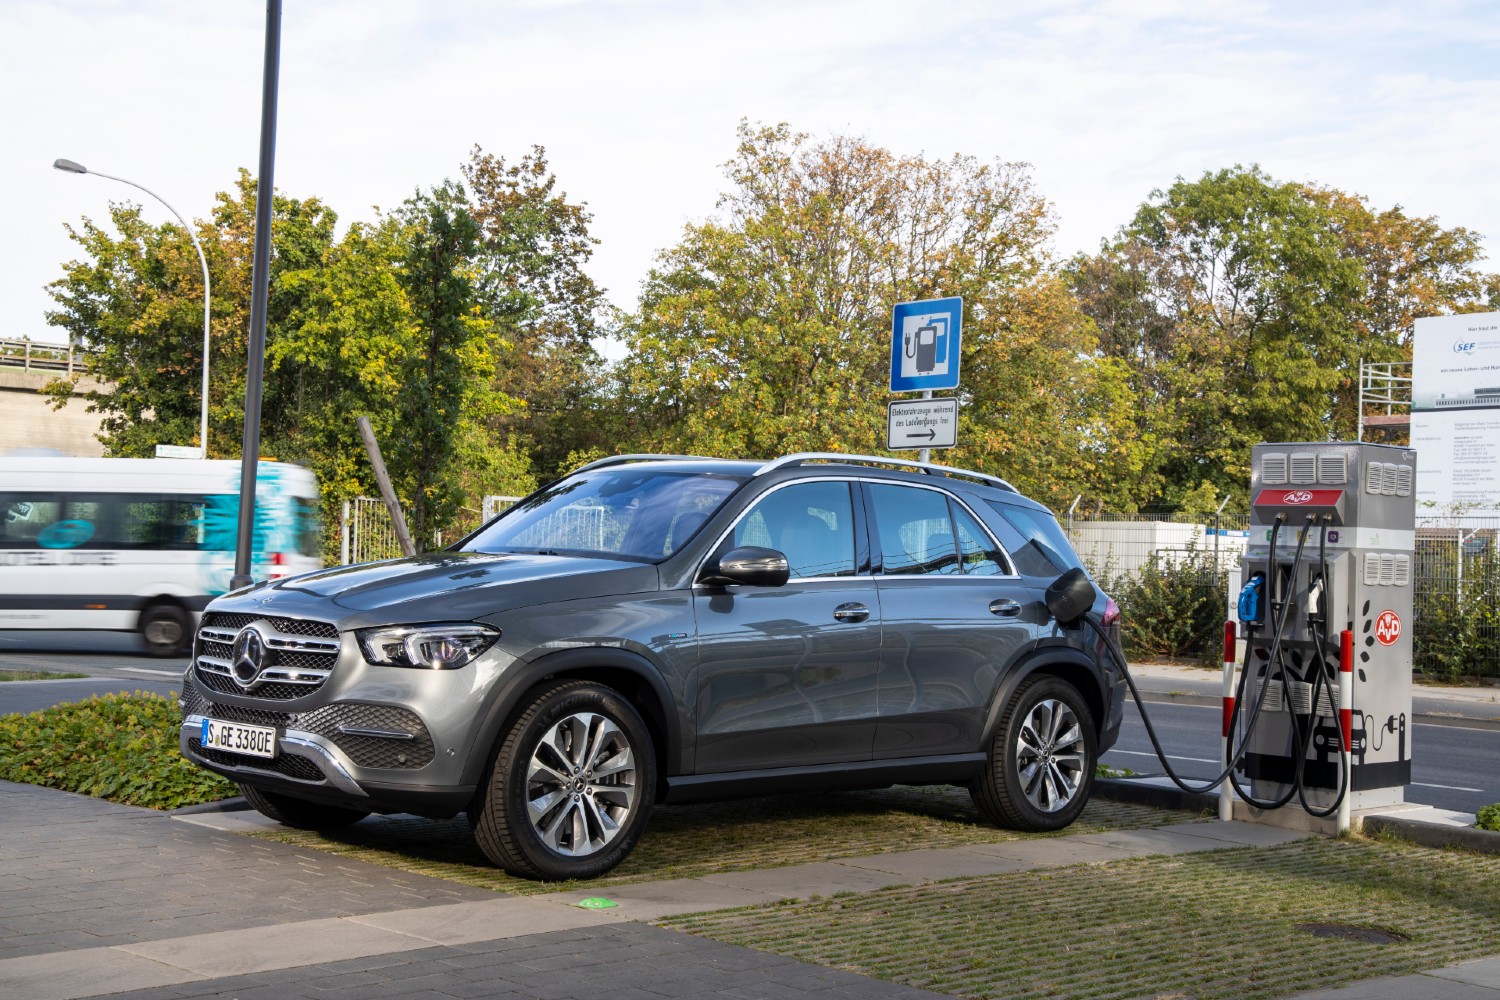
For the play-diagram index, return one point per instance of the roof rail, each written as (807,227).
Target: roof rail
(802,458)
(625,459)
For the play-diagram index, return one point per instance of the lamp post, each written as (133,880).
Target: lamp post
(69,166)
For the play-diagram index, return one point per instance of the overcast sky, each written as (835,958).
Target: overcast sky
(637,101)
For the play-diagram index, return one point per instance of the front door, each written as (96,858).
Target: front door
(787,675)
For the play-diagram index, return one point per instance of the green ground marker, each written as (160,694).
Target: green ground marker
(597,903)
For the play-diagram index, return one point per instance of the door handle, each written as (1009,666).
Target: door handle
(851,613)
(1005,608)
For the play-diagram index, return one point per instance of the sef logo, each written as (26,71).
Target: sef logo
(1461,347)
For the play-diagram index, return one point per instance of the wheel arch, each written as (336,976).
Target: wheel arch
(1065,662)
(629,673)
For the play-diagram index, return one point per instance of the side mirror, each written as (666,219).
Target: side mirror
(1070,596)
(750,565)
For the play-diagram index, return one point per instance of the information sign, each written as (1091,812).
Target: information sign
(924,344)
(922,423)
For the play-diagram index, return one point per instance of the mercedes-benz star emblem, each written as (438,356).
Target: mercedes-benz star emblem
(249,655)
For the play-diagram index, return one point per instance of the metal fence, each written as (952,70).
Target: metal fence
(32,355)
(366,533)
(1456,575)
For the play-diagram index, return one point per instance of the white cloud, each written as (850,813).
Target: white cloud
(637,100)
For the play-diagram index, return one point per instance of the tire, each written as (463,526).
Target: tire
(166,630)
(300,813)
(1041,764)
(570,787)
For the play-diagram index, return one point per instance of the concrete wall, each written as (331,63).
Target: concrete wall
(27,419)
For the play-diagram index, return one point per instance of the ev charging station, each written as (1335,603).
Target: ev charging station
(1327,598)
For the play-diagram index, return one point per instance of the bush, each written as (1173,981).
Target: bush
(1488,818)
(1174,607)
(117,747)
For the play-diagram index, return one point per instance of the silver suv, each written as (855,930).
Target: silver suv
(668,629)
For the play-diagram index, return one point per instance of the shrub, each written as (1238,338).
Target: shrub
(117,747)
(1488,818)
(1173,607)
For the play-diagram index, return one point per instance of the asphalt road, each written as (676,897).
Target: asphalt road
(1453,767)
(113,662)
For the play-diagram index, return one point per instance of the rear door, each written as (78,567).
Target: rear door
(954,617)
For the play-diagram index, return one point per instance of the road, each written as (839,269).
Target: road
(113,662)
(1453,767)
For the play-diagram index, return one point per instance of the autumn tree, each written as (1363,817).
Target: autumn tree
(1239,308)
(766,330)
(530,256)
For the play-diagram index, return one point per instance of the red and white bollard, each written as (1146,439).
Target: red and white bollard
(1226,788)
(1346,721)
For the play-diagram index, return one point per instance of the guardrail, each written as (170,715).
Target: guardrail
(34,355)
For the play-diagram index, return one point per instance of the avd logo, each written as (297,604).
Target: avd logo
(1463,347)
(1388,628)
(1297,497)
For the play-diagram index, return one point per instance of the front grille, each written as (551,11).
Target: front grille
(367,750)
(292,767)
(297,655)
(291,626)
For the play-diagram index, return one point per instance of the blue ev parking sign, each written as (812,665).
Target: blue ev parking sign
(924,344)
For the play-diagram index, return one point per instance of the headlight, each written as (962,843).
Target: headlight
(426,647)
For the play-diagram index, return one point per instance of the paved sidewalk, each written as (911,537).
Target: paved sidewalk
(98,899)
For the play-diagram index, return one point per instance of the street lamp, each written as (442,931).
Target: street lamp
(68,166)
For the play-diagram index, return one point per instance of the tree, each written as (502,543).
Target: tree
(1240,308)
(533,245)
(766,329)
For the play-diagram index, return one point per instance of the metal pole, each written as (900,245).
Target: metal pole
(344,537)
(387,491)
(926,453)
(265,193)
(71,167)
(1359,426)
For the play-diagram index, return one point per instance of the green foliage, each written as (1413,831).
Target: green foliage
(118,747)
(1172,607)
(1488,817)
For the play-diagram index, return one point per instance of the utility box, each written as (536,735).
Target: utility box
(1356,503)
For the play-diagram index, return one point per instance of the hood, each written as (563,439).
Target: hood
(457,586)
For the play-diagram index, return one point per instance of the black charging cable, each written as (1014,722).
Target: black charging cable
(1234,762)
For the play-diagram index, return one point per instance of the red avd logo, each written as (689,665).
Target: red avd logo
(1297,496)
(1388,628)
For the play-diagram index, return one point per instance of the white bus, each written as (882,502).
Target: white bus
(141,544)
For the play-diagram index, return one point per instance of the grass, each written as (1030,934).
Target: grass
(35,675)
(696,840)
(1221,924)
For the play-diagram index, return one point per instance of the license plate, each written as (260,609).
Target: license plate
(255,741)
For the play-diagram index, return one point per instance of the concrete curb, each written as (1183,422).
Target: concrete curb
(1161,797)
(236,804)
(1433,835)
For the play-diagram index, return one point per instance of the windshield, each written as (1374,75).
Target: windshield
(630,512)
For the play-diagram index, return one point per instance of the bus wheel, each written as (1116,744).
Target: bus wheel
(164,629)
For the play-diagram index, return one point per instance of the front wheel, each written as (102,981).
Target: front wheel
(1041,764)
(571,785)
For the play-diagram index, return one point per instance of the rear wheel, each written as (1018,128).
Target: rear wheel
(300,813)
(571,785)
(165,630)
(1041,763)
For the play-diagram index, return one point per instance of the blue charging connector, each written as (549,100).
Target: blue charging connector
(1250,598)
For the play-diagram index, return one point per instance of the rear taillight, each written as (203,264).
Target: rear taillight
(278,559)
(1111,612)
